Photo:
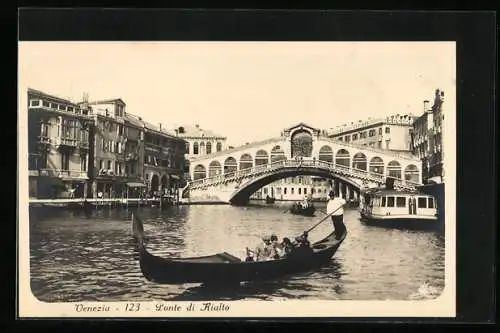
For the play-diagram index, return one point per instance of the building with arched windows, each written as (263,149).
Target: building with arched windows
(200,142)
(296,188)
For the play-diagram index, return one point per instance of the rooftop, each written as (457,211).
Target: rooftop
(107,101)
(44,94)
(197,132)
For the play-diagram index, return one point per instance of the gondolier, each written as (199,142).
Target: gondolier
(335,208)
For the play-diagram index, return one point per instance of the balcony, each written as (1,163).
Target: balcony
(64,174)
(83,144)
(67,142)
(44,139)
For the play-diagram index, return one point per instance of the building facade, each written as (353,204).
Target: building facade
(295,189)
(200,142)
(391,133)
(58,140)
(114,166)
(164,160)
(427,139)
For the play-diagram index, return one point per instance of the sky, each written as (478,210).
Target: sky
(245,91)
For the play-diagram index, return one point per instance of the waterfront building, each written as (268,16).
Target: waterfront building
(296,188)
(164,159)
(200,142)
(427,139)
(115,160)
(58,146)
(391,133)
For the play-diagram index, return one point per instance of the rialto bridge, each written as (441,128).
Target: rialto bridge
(231,176)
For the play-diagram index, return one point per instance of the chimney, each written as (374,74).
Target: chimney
(197,126)
(426,105)
(160,126)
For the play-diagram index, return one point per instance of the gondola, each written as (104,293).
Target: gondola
(224,268)
(270,200)
(297,209)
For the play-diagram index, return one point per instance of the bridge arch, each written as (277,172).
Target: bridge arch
(359,161)
(242,194)
(377,165)
(326,154)
(261,157)
(230,165)
(342,157)
(412,173)
(277,154)
(394,169)
(302,143)
(200,172)
(214,168)
(246,161)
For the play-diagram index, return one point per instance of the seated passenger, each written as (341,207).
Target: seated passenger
(286,246)
(276,247)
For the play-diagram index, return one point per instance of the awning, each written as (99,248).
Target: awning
(175,177)
(136,185)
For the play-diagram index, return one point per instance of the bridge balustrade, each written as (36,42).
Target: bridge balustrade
(266,168)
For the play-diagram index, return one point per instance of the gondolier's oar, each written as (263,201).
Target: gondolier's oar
(323,219)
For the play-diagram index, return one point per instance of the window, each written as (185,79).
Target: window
(83,162)
(45,103)
(284,190)
(70,108)
(111,127)
(219,146)
(54,105)
(387,130)
(209,148)
(354,137)
(116,168)
(390,201)
(35,103)
(383,202)
(400,202)
(132,171)
(340,139)
(101,164)
(195,148)
(109,165)
(380,131)
(387,144)
(300,190)
(62,107)
(187,148)
(312,190)
(305,190)
(379,144)
(65,161)
(431,202)
(422,202)
(265,190)
(292,190)
(347,138)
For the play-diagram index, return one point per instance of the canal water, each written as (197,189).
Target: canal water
(77,258)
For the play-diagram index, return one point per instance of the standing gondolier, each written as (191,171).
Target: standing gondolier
(335,207)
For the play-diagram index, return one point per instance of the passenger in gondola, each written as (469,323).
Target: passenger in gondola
(286,246)
(276,247)
(263,250)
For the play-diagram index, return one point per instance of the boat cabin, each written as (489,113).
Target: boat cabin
(392,204)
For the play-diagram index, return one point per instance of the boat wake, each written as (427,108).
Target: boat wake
(425,292)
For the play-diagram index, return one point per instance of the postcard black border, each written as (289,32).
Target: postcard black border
(475,35)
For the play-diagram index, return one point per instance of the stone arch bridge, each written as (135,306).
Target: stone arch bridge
(231,176)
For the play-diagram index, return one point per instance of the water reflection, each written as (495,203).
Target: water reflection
(77,258)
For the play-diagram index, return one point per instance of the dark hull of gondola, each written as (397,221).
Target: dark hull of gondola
(224,268)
